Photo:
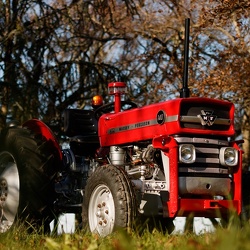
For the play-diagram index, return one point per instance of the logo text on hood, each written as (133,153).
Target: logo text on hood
(207,117)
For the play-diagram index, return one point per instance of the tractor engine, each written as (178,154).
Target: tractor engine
(139,163)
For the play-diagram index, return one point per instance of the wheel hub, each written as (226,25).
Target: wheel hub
(9,191)
(102,214)
(3,191)
(3,196)
(101,211)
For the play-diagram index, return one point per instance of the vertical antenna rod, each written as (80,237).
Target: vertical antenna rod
(184,92)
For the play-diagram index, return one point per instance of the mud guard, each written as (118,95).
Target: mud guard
(39,127)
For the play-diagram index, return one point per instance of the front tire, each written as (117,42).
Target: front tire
(109,200)
(27,172)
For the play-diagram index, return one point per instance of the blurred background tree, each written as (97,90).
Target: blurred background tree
(58,54)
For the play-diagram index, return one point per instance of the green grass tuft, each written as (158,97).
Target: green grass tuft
(231,238)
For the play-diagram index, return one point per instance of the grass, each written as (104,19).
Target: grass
(231,238)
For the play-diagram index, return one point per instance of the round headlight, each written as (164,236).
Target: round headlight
(228,156)
(187,153)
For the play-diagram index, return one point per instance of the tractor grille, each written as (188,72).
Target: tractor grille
(207,157)
(205,176)
(192,115)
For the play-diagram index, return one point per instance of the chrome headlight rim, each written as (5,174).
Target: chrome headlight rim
(226,153)
(183,156)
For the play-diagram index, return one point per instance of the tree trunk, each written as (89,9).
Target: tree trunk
(246,137)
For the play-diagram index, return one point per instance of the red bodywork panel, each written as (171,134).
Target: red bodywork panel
(38,127)
(176,206)
(151,121)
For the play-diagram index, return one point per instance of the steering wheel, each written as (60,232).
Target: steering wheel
(108,108)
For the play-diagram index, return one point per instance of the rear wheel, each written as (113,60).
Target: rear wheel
(27,171)
(9,190)
(109,200)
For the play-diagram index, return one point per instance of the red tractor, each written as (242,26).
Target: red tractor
(124,162)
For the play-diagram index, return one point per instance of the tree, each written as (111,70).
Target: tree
(226,29)
(58,54)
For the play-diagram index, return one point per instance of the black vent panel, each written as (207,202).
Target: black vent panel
(205,116)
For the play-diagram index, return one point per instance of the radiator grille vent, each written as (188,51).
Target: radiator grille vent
(206,116)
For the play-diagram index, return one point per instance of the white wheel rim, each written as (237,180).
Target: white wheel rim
(9,191)
(101,211)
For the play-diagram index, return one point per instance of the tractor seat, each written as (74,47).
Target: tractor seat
(81,125)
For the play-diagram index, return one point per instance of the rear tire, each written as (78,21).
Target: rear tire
(109,201)
(27,171)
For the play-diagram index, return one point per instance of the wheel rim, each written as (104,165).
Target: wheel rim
(101,212)
(9,191)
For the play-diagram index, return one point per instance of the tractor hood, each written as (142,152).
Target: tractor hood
(199,116)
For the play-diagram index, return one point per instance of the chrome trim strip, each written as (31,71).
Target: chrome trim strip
(171,118)
(207,150)
(203,170)
(194,119)
(201,140)
(141,124)
(207,160)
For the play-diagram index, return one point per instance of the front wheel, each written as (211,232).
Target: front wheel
(109,200)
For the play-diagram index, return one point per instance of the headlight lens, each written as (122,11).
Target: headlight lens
(187,153)
(228,156)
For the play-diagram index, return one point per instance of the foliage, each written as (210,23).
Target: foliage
(230,238)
